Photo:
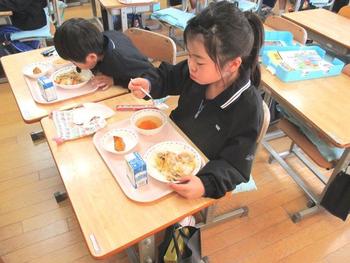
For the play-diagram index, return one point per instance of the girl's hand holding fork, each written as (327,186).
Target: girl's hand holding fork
(135,86)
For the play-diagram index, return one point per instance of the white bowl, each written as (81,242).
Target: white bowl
(86,75)
(129,137)
(43,67)
(58,62)
(155,116)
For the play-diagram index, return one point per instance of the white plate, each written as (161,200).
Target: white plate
(172,146)
(28,69)
(130,139)
(86,75)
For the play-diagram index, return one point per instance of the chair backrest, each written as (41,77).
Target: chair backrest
(280,23)
(265,123)
(153,45)
(345,11)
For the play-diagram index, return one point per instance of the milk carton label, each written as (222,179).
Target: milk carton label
(48,90)
(137,171)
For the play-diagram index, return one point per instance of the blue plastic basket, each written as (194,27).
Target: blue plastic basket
(282,38)
(295,75)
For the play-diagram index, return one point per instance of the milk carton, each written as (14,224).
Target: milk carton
(137,171)
(48,90)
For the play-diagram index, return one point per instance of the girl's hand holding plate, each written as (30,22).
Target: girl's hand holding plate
(189,187)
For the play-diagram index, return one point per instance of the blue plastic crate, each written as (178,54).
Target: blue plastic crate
(295,75)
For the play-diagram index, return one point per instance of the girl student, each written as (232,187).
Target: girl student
(220,108)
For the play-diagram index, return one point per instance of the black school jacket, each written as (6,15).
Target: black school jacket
(225,128)
(27,14)
(122,60)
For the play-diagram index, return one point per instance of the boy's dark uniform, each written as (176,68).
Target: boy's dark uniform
(225,129)
(121,59)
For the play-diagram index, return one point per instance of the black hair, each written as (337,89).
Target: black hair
(76,38)
(229,33)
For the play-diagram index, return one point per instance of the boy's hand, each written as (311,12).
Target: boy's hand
(135,86)
(190,187)
(102,81)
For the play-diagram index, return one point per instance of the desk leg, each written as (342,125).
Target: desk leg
(342,164)
(37,136)
(93,7)
(124,18)
(146,252)
(290,171)
(110,24)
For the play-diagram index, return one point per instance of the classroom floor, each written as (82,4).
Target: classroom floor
(34,228)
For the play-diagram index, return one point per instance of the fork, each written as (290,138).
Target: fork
(157,103)
(148,95)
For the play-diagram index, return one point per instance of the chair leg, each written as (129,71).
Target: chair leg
(214,220)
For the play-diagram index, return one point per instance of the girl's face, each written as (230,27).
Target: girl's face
(202,68)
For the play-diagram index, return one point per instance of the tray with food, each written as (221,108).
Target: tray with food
(167,156)
(48,86)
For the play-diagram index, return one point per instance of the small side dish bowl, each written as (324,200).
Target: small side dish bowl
(148,121)
(69,78)
(128,138)
(36,70)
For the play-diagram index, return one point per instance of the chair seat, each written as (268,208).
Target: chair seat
(320,3)
(174,17)
(40,33)
(245,5)
(43,32)
(245,187)
(299,139)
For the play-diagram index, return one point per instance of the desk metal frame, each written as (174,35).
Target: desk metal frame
(315,200)
(123,11)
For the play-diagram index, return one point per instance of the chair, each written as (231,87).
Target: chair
(244,187)
(345,11)
(249,5)
(280,23)
(322,4)
(44,33)
(316,3)
(153,45)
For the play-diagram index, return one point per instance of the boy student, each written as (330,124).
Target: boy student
(110,55)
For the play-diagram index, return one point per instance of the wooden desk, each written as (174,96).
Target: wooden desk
(323,104)
(109,8)
(100,205)
(30,110)
(325,27)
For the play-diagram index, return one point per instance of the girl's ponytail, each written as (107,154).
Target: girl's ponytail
(252,60)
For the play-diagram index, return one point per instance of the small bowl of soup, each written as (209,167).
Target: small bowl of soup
(148,121)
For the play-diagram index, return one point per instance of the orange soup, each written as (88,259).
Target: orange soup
(149,123)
